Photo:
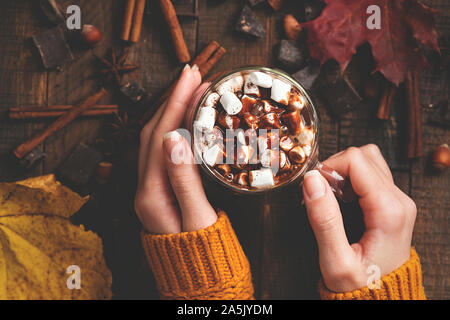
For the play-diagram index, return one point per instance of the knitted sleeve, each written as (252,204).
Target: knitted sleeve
(405,283)
(203,264)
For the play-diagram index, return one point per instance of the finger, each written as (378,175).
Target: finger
(178,102)
(171,119)
(144,144)
(353,164)
(196,212)
(326,219)
(373,153)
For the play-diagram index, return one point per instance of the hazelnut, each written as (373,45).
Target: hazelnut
(291,27)
(441,157)
(90,35)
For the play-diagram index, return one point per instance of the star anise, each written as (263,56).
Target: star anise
(114,68)
(123,128)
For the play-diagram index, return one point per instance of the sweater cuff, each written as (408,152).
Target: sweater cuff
(203,264)
(405,283)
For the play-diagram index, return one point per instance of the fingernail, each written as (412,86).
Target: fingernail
(313,185)
(194,67)
(186,67)
(172,135)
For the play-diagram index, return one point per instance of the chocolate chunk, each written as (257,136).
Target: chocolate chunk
(248,23)
(341,97)
(441,114)
(80,165)
(53,48)
(308,75)
(134,92)
(292,55)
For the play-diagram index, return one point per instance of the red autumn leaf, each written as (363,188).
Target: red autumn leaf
(342,28)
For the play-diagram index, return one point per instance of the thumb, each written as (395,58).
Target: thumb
(326,220)
(196,212)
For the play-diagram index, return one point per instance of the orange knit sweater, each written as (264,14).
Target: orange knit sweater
(210,264)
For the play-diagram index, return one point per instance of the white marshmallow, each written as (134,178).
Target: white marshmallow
(233,85)
(243,155)
(269,158)
(261,178)
(305,137)
(280,92)
(212,99)
(297,101)
(251,88)
(260,79)
(263,144)
(213,155)
(240,137)
(307,149)
(206,119)
(231,103)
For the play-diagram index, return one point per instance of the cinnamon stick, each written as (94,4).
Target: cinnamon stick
(137,20)
(128,20)
(59,123)
(205,60)
(171,18)
(56,111)
(412,88)
(384,108)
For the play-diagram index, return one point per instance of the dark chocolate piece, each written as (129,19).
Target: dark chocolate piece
(53,48)
(32,158)
(52,11)
(133,92)
(441,114)
(248,23)
(308,75)
(341,96)
(80,165)
(292,55)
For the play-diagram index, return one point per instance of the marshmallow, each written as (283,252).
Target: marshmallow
(213,155)
(212,99)
(206,119)
(243,155)
(261,79)
(261,178)
(250,87)
(280,92)
(305,137)
(231,104)
(233,85)
(263,144)
(270,158)
(307,149)
(240,137)
(297,101)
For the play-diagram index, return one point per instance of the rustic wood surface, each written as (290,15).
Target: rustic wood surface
(277,239)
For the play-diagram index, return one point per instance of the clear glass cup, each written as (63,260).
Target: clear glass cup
(338,182)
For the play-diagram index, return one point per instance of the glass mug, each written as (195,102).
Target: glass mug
(338,182)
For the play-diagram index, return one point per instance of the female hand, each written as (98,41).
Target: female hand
(170,196)
(389,217)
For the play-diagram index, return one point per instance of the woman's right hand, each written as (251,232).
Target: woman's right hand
(389,216)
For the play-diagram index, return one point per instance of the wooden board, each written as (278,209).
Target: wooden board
(277,239)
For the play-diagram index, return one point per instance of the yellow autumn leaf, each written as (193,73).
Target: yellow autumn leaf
(38,244)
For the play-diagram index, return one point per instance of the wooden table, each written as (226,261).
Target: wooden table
(279,243)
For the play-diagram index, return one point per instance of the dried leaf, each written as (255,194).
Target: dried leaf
(342,27)
(38,243)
